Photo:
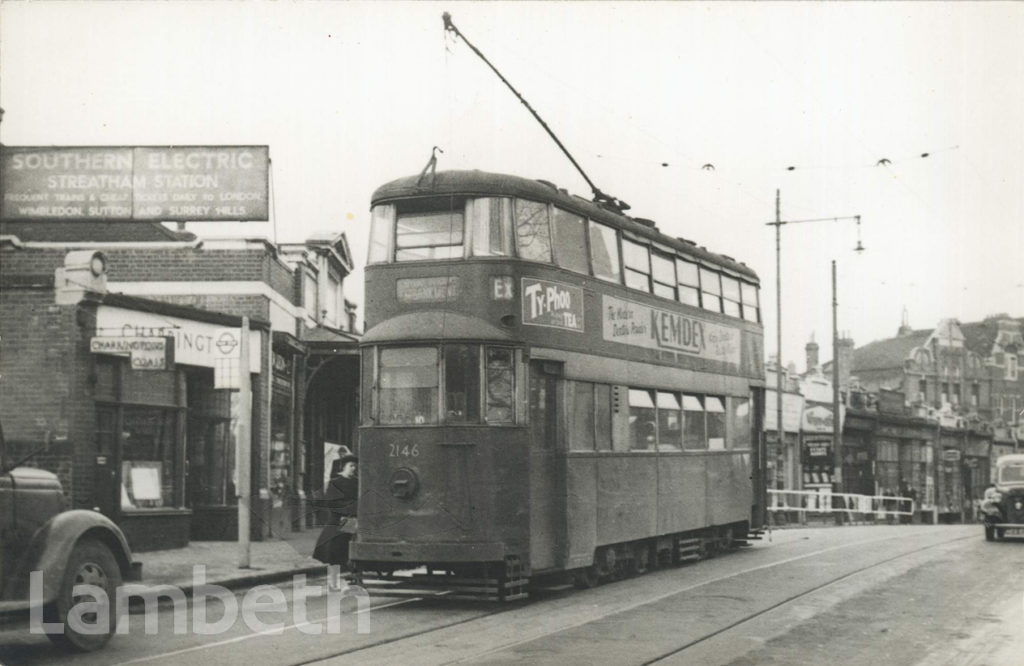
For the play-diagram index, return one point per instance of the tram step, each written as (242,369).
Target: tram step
(424,579)
(465,593)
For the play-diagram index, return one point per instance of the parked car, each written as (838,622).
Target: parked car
(1003,506)
(69,547)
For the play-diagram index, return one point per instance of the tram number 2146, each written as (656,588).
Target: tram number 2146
(403,451)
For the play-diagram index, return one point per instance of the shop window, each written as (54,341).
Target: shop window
(570,241)
(694,427)
(604,252)
(462,383)
(408,386)
(491,221)
(669,422)
(533,235)
(149,438)
(740,423)
(688,282)
(711,290)
(643,429)
(428,235)
(500,386)
(637,261)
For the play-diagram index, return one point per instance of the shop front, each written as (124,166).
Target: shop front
(164,463)
(817,450)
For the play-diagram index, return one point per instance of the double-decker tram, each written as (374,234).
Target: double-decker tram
(548,387)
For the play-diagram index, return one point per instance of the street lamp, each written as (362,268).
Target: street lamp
(836,435)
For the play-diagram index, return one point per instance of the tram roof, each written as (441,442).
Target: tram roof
(484,183)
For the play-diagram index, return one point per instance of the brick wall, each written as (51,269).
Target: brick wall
(45,365)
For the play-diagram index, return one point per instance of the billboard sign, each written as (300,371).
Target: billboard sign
(135,184)
(632,323)
(547,303)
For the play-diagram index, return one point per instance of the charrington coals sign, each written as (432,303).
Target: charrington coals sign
(175,183)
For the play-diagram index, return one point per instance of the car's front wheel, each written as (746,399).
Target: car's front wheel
(88,620)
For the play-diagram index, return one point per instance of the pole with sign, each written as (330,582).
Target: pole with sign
(244,446)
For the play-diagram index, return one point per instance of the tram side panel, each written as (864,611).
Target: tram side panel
(581,511)
(729,488)
(682,493)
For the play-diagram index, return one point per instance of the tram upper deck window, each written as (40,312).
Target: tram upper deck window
(604,252)
(663,271)
(408,386)
(730,296)
(637,260)
(533,234)
(688,287)
(490,219)
(711,290)
(382,222)
(428,235)
(750,304)
(570,241)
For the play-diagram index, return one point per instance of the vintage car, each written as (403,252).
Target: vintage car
(47,550)
(1003,505)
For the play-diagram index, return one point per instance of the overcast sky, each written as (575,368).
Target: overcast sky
(349,96)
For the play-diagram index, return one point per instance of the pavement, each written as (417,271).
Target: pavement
(274,559)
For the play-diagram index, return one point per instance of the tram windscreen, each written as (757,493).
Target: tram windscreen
(408,385)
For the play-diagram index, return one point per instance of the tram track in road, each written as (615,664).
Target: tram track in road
(509,638)
(662,659)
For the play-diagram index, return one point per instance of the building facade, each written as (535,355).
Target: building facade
(153,448)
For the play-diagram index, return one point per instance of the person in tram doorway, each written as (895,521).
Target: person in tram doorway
(342,500)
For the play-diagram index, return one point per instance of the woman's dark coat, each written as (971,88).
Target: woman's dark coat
(342,500)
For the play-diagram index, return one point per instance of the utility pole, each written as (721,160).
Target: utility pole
(837,460)
(243,447)
(837,435)
(778,325)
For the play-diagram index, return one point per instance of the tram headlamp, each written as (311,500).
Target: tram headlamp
(404,483)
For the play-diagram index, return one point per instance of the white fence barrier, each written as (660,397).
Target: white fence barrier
(814,501)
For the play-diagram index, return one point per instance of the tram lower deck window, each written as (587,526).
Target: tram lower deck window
(478,384)
(408,386)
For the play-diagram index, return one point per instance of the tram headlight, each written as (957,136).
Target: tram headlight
(404,483)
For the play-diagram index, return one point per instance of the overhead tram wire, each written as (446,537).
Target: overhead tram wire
(599,196)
